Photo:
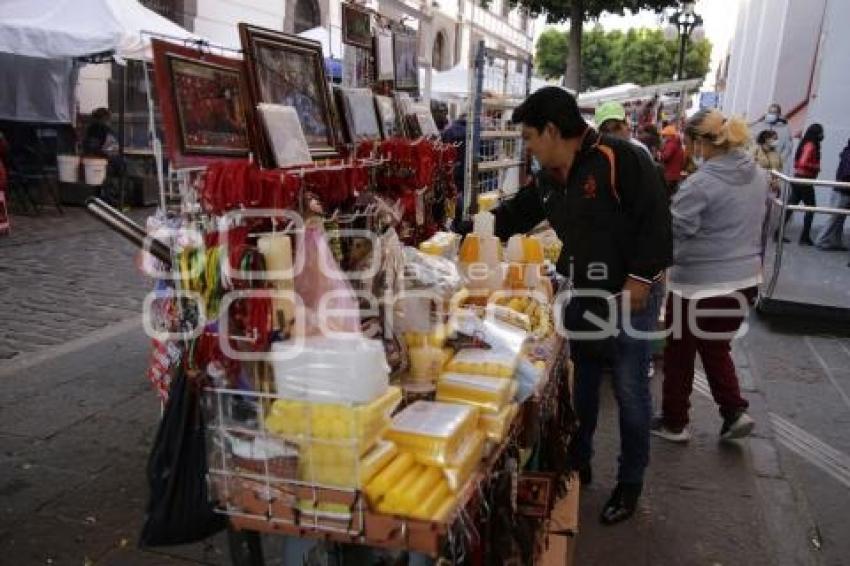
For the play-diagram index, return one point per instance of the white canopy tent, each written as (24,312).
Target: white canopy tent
(60,29)
(41,40)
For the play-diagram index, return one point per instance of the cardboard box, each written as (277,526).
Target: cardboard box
(563,528)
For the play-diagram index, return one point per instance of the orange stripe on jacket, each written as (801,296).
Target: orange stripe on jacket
(612,161)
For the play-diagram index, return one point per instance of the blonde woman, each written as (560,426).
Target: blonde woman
(717,217)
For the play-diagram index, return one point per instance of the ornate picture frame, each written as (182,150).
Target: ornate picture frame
(405,58)
(356,26)
(289,70)
(358,113)
(387,116)
(384,60)
(203,99)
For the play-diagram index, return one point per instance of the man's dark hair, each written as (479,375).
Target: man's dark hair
(551,104)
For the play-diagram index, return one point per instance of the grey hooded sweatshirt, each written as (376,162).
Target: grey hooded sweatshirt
(718,214)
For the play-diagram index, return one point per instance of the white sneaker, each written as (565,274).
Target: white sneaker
(658,429)
(739,427)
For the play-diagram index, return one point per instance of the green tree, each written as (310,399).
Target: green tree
(641,56)
(551,53)
(579,11)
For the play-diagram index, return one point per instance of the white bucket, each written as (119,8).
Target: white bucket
(69,168)
(95,168)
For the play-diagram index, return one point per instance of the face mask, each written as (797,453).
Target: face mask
(772,117)
(699,160)
(771,144)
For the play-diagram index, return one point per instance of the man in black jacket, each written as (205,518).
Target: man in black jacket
(605,201)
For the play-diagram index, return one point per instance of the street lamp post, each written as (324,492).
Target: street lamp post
(686,21)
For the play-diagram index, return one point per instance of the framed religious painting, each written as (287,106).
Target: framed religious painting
(356,26)
(405,47)
(357,110)
(387,117)
(203,99)
(289,70)
(384,61)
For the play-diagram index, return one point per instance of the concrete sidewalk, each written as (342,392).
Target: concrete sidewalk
(704,502)
(76,431)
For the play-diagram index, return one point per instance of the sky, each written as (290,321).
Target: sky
(718,17)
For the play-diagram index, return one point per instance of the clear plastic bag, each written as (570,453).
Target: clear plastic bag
(331,370)
(487,393)
(330,305)
(433,432)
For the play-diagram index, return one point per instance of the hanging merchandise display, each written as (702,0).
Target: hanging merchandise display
(355,373)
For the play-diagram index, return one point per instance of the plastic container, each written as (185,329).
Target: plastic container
(69,168)
(490,394)
(95,170)
(331,370)
(433,432)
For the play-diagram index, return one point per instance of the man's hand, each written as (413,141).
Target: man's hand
(637,293)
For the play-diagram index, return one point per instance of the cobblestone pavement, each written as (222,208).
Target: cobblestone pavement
(62,277)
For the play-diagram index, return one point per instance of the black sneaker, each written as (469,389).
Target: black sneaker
(622,503)
(806,241)
(739,426)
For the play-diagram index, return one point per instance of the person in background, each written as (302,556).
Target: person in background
(456,133)
(767,156)
(806,166)
(99,139)
(648,136)
(829,238)
(672,156)
(610,118)
(606,203)
(774,122)
(716,270)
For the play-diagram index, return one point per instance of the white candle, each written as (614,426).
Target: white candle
(277,251)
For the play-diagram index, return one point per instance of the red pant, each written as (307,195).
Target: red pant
(715,352)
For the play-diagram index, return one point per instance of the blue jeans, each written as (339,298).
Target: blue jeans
(628,358)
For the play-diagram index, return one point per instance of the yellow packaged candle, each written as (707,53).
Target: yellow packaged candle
(497,425)
(389,476)
(376,460)
(496,363)
(468,460)
(303,421)
(515,276)
(533,250)
(433,432)
(444,509)
(487,393)
(425,484)
(395,497)
(429,505)
(470,249)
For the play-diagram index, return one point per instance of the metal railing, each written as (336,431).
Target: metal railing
(782,204)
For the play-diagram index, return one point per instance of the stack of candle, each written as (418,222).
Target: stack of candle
(439,450)
(525,258)
(277,251)
(480,255)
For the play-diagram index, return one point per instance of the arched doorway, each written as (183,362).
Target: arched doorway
(440,55)
(307,15)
